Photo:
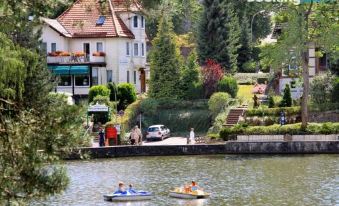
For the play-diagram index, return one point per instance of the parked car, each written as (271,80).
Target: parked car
(157,132)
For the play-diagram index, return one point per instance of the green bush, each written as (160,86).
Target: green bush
(114,92)
(250,67)
(273,111)
(149,106)
(101,100)
(218,102)
(196,92)
(98,90)
(276,129)
(228,84)
(287,99)
(126,95)
(271,102)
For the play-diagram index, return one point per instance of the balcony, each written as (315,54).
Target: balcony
(75,58)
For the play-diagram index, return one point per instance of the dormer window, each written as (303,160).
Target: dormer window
(101,20)
(135,21)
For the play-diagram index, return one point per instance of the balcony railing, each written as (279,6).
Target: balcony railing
(69,59)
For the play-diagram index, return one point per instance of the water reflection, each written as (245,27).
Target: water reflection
(231,180)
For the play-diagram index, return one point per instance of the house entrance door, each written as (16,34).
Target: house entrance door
(87,51)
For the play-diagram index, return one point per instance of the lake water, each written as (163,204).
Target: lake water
(231,180)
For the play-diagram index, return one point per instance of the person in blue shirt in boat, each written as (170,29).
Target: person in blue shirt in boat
(131,190)
(121,189)
(194,186)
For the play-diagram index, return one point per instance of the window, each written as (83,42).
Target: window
(81,80)
(95,76)
(143,49)
(127,76)
(53,47)
(135,77)
(100,47)
(127,49)
(135,21)
(65,81)
(101,20)
(153,129)
(142,22)
(109,74)
(136,49)
(43,47)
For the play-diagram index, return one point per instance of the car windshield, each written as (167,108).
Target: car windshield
(153,129)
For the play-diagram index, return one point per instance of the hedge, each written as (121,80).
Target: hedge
(273,111)
(276,129)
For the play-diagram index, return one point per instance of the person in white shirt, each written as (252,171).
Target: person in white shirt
(192,136)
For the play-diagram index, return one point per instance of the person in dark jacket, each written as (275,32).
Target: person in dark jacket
(101,138)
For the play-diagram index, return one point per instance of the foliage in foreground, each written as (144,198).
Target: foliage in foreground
(34,127)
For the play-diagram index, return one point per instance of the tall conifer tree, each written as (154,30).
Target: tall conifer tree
(245,51)
(165,62)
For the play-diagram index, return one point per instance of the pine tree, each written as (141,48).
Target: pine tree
(207,43)
(219,34)
(233,39)
(245,51)
(287,99)
(190,75)
(165,62)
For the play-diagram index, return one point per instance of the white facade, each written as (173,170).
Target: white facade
(124,60)
(297,89)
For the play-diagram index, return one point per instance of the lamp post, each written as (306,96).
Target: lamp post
(259,12)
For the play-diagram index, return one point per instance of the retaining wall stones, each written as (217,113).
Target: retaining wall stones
(301,147)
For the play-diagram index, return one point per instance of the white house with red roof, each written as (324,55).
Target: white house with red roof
(95,42)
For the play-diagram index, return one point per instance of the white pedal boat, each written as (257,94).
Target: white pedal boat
(138,196)
(177,193)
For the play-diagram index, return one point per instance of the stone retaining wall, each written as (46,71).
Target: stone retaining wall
(301,147)
(261,138)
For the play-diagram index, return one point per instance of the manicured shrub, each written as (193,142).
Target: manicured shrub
(271,102)
(276,129)
(126,95)
(101,100)
(98,90)
(218,102)
(114,92)
(228,84)
(273,111)
(149,106)
(287,99)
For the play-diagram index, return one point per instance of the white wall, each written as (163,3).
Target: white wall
(296,92)
(50,36)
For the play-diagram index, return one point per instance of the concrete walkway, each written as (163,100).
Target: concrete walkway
(168,141)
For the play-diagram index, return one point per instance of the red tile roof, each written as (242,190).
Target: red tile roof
(80,19)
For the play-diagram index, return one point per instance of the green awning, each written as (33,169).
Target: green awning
(61,70)
(79,70)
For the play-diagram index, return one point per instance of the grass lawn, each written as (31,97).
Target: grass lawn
(245,92)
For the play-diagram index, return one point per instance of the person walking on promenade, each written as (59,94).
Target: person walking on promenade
(139,142)
(134,136)
(101,138)
(192,136)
